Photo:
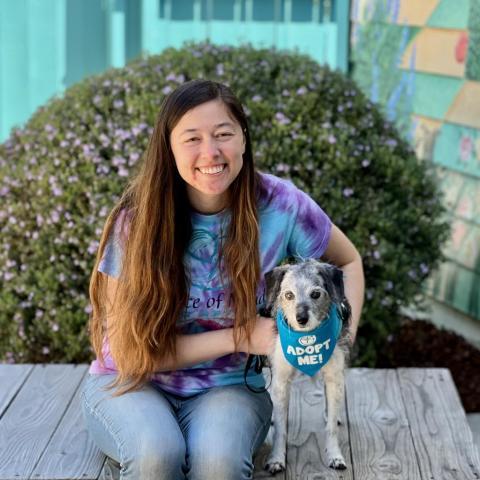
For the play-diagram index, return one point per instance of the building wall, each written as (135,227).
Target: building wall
(48,45)
(420,60)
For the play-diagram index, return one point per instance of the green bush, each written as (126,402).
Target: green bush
(61,174)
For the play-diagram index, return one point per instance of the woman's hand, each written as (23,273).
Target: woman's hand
(263,338)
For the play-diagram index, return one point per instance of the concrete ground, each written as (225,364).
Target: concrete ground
(474,422)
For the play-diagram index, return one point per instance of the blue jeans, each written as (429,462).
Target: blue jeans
(155,435)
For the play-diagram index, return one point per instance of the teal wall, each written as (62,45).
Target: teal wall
(48,45)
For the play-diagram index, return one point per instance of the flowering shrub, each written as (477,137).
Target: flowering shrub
(62,173)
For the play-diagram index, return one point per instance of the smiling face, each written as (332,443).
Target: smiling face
(208,146)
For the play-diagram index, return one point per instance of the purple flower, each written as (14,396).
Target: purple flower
(332,139)
(134,156)
(220,70)
(282,167)
(55,216)
(92,248)
(282,119)
(373,240)
(122,171)
(57,191)
(376,255)
(118,104)
(301,91)
(424,269)
(7,276)
(347,192)
(166,90)
(117,161)
(365,163)
(257,98)
(88,309)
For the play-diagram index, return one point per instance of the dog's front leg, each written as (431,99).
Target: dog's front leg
(334,379)
(279,391)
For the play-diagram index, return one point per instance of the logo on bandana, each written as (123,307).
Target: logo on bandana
(307,340)
(309,353)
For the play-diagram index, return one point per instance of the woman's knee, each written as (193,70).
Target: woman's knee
(217,464)
(151,461)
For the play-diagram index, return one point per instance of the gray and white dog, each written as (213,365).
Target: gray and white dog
(305,292)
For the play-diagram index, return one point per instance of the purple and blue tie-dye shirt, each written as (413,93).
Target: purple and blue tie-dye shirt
(291,224)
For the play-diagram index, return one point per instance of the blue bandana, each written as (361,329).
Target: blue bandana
(310,351)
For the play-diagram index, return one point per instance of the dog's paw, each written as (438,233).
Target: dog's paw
(274,467)
(338,463)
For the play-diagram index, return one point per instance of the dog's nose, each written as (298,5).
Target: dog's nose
(302,314)
(302,319)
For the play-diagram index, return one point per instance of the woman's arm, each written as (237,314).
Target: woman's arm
(342,253)
(202,347)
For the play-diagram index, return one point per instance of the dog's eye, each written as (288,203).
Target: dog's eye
(289,296)
(315,294)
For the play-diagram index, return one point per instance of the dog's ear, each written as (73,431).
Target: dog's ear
(273,279)
(333,282)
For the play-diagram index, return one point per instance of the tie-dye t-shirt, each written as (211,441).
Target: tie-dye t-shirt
(291,225)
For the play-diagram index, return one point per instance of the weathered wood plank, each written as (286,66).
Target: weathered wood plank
(11,380)
(306,434)
(441,435)
(71,453)
(30,421)
(382,447)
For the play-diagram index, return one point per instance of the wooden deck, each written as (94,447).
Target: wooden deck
(397,424)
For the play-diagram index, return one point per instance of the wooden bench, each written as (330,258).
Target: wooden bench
(397,424)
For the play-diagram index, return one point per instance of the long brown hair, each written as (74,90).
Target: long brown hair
(153,285)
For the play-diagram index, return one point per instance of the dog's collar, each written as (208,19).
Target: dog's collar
(310,351)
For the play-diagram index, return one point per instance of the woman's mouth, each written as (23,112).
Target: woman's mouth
(217,169)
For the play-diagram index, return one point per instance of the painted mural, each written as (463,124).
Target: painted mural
(420,60)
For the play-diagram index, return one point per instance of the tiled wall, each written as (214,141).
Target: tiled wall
(421,61)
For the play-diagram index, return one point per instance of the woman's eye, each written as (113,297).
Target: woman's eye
(289,296)
(315,294)
(224,134)
(193,139)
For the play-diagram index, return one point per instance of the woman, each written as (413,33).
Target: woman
(176,288)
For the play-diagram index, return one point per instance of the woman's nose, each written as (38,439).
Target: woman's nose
(210,148)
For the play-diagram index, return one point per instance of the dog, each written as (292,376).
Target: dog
(305,293)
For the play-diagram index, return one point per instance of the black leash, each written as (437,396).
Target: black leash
(260,362)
